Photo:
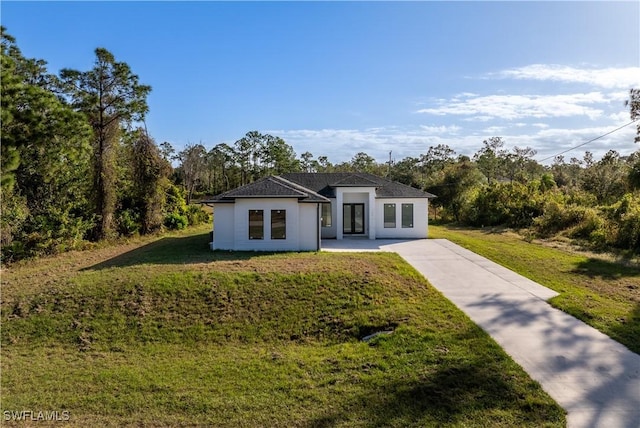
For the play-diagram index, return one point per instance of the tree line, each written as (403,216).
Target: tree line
(78,165)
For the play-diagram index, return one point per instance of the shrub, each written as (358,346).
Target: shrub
(557,217)
(128,222)
(509,204)
(625,219)
(175,202)
(589,223)
(175,221)
(196,215)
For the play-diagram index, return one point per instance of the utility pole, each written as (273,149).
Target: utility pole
(389,170)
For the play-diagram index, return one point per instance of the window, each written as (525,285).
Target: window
(256,224)
(389,215)
(326,215)
(407,215)
(278,224)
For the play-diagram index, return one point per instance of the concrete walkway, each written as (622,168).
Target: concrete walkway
(594,378)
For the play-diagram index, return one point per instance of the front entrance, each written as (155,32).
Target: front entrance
(353,219)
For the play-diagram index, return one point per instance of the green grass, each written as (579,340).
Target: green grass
(167,333)
(603,292)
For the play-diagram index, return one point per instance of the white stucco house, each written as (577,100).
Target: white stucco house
(296,211)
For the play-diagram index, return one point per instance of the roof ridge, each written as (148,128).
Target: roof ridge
(288,184)
(297,187)
(354,174)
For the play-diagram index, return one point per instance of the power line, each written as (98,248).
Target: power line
(590,141)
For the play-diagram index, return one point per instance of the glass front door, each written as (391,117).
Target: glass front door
(353,219)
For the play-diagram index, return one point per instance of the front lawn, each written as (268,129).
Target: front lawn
(169,334)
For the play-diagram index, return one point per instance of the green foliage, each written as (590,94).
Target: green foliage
(174,221)
(557,217)
(634,109)
(588,224)
(46,155)
(13,213)
(128,222)
(624,218)
(175,209)
(150,172)
(196,215)
(456,186)
(511,204)
(110,96)
(175,202)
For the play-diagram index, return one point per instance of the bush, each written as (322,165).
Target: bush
(557,217)
(625,220)
(588,224)
(128,222)
(196,215)
(509,204)
(175,202)
(175,221)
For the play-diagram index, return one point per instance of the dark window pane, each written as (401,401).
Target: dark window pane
(358,220)
(326,215)
(346,219)
(256,224)
(278,224)
(389,215)
(407,215)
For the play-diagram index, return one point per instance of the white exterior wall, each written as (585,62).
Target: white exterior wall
(223,227)
(330,232)
(309,226)
(232,231)
(420,218)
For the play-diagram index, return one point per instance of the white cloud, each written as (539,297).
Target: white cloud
(495,130)
(341,145)
(620,117)
(511,107)
(610,77)
(453,129)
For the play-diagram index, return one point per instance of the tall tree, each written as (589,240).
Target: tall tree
(607,178)
(362,162)
(221,160)
(45,155)
(634,109)
(247,150)
(151,172)
(276,156)
(308,163)
(111,97)
(193,164)
(517,163)
(490,158)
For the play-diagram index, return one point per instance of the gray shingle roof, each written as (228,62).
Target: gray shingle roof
(317,187)
(271,187)
(325,183)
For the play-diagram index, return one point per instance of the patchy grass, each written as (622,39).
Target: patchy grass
(167,333)
(599,290)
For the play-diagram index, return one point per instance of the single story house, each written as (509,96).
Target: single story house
(295,211)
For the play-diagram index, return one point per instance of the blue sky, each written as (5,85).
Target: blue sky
(337,78)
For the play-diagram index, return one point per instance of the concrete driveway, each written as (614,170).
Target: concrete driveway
(594,378)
